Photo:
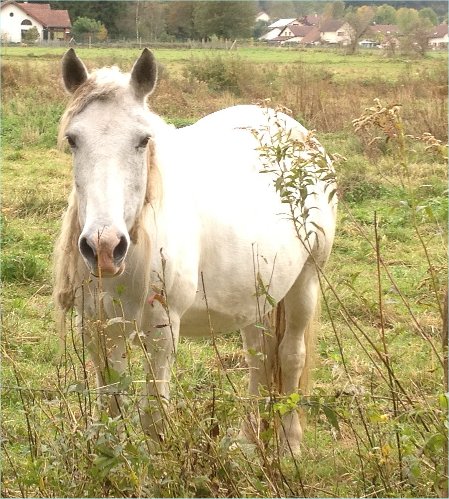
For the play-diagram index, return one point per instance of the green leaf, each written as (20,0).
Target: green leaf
(443,401)
(331,417)
(435,443)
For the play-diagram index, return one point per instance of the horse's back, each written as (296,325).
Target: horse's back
(248,116)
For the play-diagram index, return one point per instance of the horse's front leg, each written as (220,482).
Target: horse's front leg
(161,342)
(107,351)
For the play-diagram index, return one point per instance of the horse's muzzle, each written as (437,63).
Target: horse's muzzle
(104,251)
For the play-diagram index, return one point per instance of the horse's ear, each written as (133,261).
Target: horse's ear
(144,74)
(74,72)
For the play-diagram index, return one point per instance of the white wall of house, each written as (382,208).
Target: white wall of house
(439,42)
(262,16)
(341,36)
(287,32)
(11,19)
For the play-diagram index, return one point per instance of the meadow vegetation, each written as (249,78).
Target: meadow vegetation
(377,412)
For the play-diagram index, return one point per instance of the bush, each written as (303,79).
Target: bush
(31,35)
(218,73)
(84,28)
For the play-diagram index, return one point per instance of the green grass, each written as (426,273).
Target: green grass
(54,441)
(362,66)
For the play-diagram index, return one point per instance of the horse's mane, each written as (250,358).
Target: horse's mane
(69,269)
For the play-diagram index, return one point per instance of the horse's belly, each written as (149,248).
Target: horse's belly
(201,322)
(240,278)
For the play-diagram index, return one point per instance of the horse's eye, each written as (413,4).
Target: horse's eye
(144,141)
(71,141)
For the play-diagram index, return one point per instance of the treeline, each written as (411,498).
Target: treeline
(170,20)
(199,20)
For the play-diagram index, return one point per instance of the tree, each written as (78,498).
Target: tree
(179,20)
(334,10)
(385,14)
(359,20)
(279,9)
(414,31)
(407,19)
(260,28)
(31,35)
(428,13)
(416,40)
(224,19)
(84,27)
(109,13)
(151,20)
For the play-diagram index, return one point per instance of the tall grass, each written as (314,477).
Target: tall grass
(377,412)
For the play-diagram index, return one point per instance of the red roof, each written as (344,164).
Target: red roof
(312,36)
(386,29)
(296,30)
(331,25)
(300,30)
(311,20)
(44,14)
(439,31)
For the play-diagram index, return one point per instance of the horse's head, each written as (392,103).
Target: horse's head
(108,128)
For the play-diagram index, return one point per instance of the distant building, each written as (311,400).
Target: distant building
(277,27)
(439,36)
(311,20)
(16,18)
(282,23)
(294,34)
(335,32)
(263,16)
(309,30)
(386,35)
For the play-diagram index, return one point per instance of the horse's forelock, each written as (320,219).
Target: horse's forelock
(91,90)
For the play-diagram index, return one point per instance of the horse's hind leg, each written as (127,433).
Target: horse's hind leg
(259,351)
(300,303)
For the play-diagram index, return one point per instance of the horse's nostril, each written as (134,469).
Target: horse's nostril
(120,250)
(88,251)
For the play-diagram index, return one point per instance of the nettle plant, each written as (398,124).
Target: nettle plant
(298,163)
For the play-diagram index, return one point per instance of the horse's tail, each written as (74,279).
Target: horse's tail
(309,343)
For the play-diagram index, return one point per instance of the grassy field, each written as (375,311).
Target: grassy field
(377,412)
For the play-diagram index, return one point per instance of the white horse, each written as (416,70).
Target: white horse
(175,232)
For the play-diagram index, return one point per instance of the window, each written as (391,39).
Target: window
(11,14)
(26,22)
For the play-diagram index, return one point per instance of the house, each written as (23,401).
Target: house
(302,31)
(335,32)
(282,23)
(368,44)
(384,29)
(439,36)
(293,34)
(311,20)
(262,16)
(277,27)
(313,37)
(17,18)
(387,35)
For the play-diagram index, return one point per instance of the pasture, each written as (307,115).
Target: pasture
(377,410)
